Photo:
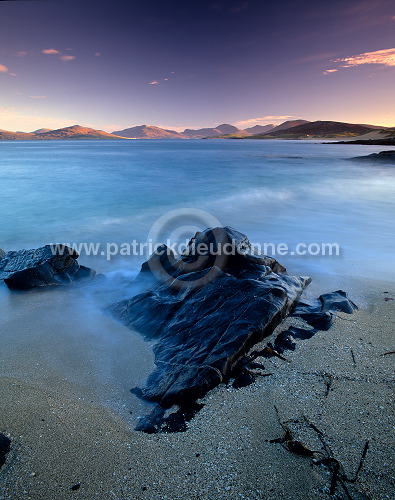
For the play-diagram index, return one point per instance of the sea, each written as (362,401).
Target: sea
(317,210)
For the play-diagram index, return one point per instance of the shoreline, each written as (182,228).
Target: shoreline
(60,442)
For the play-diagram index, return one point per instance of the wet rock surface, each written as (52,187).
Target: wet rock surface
(201,333)
(45,266)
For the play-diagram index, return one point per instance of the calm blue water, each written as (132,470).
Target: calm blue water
(274,191)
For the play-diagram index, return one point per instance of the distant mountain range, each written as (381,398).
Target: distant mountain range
(294,129)
(152,132)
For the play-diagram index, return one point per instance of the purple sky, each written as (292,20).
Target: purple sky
(189,64)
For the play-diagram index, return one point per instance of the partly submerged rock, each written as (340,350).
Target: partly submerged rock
(383,156)
(44,266)
(205,311)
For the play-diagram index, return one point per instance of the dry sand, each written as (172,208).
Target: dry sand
(60,440)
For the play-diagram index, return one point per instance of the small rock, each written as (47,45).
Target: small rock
(5,447)
(44,266)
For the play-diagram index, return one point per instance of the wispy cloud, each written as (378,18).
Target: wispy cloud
(21,53)
(97,54)
(38,96)
(55,52)
(166,79)
(3,69)
(7,110)
(50,51)
(384,57)
(328,71)
(66,58)
(263,120)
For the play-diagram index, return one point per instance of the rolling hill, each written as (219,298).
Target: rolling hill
(148,132)
(288,124)
(76,132)
(316,129)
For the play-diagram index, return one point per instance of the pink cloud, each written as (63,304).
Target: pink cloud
(153,83)
(97,54)
(50,51)
(384,57)
(328,71)
(3,69)
(66,58)
(21,53)
(38,96)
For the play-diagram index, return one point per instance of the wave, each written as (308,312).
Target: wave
(252,196)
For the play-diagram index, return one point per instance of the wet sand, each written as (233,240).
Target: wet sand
(65,435)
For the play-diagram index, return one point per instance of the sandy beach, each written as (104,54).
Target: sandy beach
(337,383)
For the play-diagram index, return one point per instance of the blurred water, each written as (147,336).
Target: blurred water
(274,191)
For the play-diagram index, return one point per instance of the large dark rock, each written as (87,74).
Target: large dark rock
(45,266)
(205,311)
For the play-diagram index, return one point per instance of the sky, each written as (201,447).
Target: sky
(190,64)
